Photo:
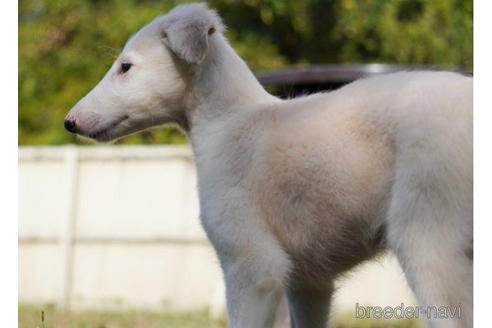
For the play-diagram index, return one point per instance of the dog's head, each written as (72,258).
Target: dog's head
(149,83)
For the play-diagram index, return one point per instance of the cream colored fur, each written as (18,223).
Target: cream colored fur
(295,192)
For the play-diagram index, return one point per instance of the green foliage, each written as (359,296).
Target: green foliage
(65,46)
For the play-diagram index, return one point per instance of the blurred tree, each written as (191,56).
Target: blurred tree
(65,46)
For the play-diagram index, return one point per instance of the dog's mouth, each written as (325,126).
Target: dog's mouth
(105,133)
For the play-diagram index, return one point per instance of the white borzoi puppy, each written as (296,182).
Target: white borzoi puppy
(295,192)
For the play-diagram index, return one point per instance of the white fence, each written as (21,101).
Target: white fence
(113,226)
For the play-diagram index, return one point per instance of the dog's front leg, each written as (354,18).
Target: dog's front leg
(255,266)
(255,270)
(252,298)
(309,304)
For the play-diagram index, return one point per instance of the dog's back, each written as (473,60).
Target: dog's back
(386,160)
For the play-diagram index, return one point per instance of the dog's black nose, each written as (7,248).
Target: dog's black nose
(70,125)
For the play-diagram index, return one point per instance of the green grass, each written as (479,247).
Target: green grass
(30,316)
(349,321)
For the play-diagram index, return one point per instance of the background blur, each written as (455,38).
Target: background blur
(112,228)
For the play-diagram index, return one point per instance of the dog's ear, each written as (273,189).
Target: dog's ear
(189,42)
(187,29)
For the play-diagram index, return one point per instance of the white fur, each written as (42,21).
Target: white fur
(294,192)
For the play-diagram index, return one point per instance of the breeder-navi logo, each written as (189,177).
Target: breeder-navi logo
(407,312)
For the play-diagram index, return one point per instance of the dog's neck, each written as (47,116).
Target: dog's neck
(222,84)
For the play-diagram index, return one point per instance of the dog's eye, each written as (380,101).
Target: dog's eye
(125,67)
